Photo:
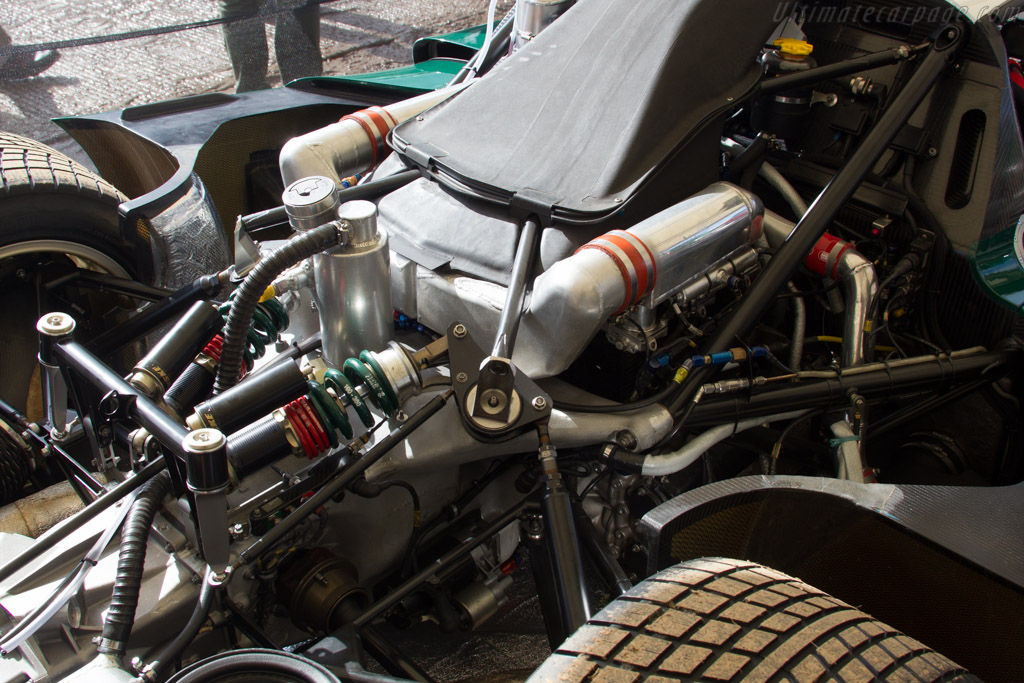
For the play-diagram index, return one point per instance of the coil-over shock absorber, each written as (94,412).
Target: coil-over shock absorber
(269,319)
(311,424)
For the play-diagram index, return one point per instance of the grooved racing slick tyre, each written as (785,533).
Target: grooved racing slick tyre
(728,620)
(55,217)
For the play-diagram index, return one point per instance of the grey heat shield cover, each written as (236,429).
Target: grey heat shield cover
(594,107)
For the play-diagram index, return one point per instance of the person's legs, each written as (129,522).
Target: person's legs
(5,41)
(246,43)
(297,42)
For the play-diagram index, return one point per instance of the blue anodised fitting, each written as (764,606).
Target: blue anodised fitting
(657,362)
(729,356)
(404,322)
(350,181)
(721,358)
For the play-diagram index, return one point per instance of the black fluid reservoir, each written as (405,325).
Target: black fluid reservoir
(782,113)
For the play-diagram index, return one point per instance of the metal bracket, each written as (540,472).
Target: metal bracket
(527,403)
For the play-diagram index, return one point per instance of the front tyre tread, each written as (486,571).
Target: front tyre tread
(719,619)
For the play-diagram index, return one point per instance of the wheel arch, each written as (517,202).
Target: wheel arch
(942,564)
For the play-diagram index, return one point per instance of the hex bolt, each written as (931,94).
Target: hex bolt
(461,377)
(459,331)
(627,439)
(539,403)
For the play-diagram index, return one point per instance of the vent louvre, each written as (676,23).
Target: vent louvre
(964,168)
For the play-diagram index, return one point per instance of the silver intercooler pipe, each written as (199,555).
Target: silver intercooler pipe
(646,264)
(837,259)
(682,248)
(354,144)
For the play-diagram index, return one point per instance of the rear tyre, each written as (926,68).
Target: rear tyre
(55,216)
(729,620)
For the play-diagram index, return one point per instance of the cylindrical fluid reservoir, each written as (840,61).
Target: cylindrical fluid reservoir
(353,287)
(782,114)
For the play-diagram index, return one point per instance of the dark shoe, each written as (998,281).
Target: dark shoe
(27,64)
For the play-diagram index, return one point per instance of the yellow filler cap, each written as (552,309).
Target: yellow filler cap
(792,46)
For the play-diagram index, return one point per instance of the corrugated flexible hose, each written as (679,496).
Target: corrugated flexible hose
(236,328)
(117,626)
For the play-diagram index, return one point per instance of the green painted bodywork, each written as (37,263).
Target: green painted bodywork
(436,60)
(407,80)
(999,269)
(459,44)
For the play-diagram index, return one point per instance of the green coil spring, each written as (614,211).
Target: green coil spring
(268,320)
(330,418)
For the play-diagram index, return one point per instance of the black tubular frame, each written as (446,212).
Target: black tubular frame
(163,311)
(936,59)
(83,364)
(65,528)
(844,68)
(943,372)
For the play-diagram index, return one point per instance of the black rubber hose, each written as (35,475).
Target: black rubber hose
(447,618)
(252,288)
(117,626)
(752,156)
(618,407)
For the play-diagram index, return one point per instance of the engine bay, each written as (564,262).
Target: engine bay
(500,323)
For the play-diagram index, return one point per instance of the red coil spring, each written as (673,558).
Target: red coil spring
(304,420)
(213,349)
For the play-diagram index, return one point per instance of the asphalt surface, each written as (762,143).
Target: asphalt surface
(355,36)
